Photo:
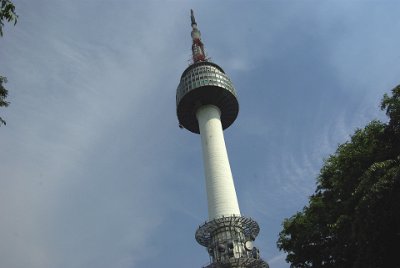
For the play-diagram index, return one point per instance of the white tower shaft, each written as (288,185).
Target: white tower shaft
(221,194)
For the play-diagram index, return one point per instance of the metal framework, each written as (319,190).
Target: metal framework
(246,226)
(229,242)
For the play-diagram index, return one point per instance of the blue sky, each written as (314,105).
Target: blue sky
(94,169)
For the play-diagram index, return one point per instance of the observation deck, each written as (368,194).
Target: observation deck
(205,83)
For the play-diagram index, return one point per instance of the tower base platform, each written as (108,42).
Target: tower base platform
(229,242)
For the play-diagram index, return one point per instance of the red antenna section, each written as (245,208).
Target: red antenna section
(198,53)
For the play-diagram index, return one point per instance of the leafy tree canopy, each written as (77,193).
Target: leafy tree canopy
(353,218)
(3,96)
(7,13)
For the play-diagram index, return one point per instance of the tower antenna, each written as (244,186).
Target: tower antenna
(198,52)
(192,17)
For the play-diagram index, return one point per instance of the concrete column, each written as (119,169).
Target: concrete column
(221,194)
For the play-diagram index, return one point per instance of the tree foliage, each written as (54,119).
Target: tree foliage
(7,13)
(353,218)
(3,96)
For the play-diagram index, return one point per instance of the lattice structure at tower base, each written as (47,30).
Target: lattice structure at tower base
(229,242)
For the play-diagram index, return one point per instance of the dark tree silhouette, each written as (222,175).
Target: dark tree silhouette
(353,218)
(7,13)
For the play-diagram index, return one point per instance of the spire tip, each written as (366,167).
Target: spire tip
(192,17)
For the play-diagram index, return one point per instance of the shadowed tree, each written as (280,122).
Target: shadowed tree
(353,218)
(7,13)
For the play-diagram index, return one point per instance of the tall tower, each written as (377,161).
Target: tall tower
(206,104)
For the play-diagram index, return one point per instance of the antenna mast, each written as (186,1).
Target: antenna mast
(198,53)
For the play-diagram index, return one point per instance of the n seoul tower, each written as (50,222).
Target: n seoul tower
(206,104)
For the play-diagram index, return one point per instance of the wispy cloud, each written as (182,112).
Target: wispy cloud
(95,171)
